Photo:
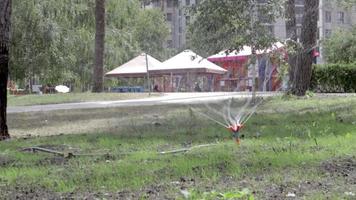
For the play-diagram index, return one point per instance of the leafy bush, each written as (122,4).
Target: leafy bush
(340,47)
(334,78)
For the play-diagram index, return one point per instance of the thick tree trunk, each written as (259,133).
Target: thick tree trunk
(5,16)
(303,70)
(99,46)
(291,30)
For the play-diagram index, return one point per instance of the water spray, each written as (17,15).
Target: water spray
(234,118)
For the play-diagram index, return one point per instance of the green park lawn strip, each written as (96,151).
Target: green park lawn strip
(26,100)
(301,146)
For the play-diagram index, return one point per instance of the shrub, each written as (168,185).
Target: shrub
(334,78)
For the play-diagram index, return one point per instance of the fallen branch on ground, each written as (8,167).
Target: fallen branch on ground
(60,153)
(184,150)
(72,154)
(63,154)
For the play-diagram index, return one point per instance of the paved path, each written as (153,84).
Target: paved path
(169,98)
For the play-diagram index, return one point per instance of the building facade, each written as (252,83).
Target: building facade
(177,17)
(332,16)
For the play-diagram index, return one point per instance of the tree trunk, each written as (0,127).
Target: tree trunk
(291,30)
(5,16)
(99,46)
(303,69)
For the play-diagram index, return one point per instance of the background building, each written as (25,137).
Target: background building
(332,17)
(177,17)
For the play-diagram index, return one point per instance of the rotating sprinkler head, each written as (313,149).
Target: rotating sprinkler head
(235,129)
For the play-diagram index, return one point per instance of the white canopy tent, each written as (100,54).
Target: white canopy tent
(182,70)
(243,53)
(136,67)
(188,62)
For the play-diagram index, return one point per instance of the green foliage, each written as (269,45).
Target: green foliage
(230,24)
(53,41)
(334,78)
(213,195)
(147,24)
(341,46)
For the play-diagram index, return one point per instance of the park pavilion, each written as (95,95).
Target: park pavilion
(185,72)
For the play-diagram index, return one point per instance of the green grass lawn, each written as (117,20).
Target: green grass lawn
(304,147)
(25,100)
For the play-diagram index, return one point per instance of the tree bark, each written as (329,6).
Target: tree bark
(303,69)
(5,17)
(99,46)
(291,30)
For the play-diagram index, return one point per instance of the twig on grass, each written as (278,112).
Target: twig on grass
(184,150)
(60,153)
(72,154)
(63,154)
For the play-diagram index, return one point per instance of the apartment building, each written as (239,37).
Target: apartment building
(333,16)
(177,17)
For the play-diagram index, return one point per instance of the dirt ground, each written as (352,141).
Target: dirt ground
(341,169)
(336,175)
(34,124)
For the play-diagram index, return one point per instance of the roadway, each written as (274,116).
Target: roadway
(166,98)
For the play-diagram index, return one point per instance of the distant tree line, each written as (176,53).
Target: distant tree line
(340,47)
(53,41)
(230,24)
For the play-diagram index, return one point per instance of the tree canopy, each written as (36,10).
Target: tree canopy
(341,47)
(53,41)
(230,24)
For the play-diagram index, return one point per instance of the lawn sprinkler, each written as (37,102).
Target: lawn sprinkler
(231,117)
(235,130)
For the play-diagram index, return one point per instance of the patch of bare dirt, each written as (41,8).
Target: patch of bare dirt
(29,192)
(6,161)
(56,160)
(343,167)
(153,192)
(301,190)
(33,192)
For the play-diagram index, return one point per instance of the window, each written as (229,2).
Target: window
(187,20)
(299,10)
(187,2)
(299,2)
(270,29)
(261,1)
(327,33)
(341,17)
(299,19)
(170,43)
(263,18)
(169,17)
(327,16)
(299,31)
(157,3)
(169,3)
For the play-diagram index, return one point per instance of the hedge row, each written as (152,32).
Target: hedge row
(334,78)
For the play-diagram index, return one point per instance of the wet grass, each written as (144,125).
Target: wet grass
(26,100)
(283,152)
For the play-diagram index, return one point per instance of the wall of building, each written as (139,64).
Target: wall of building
(332,16)
(177,16)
